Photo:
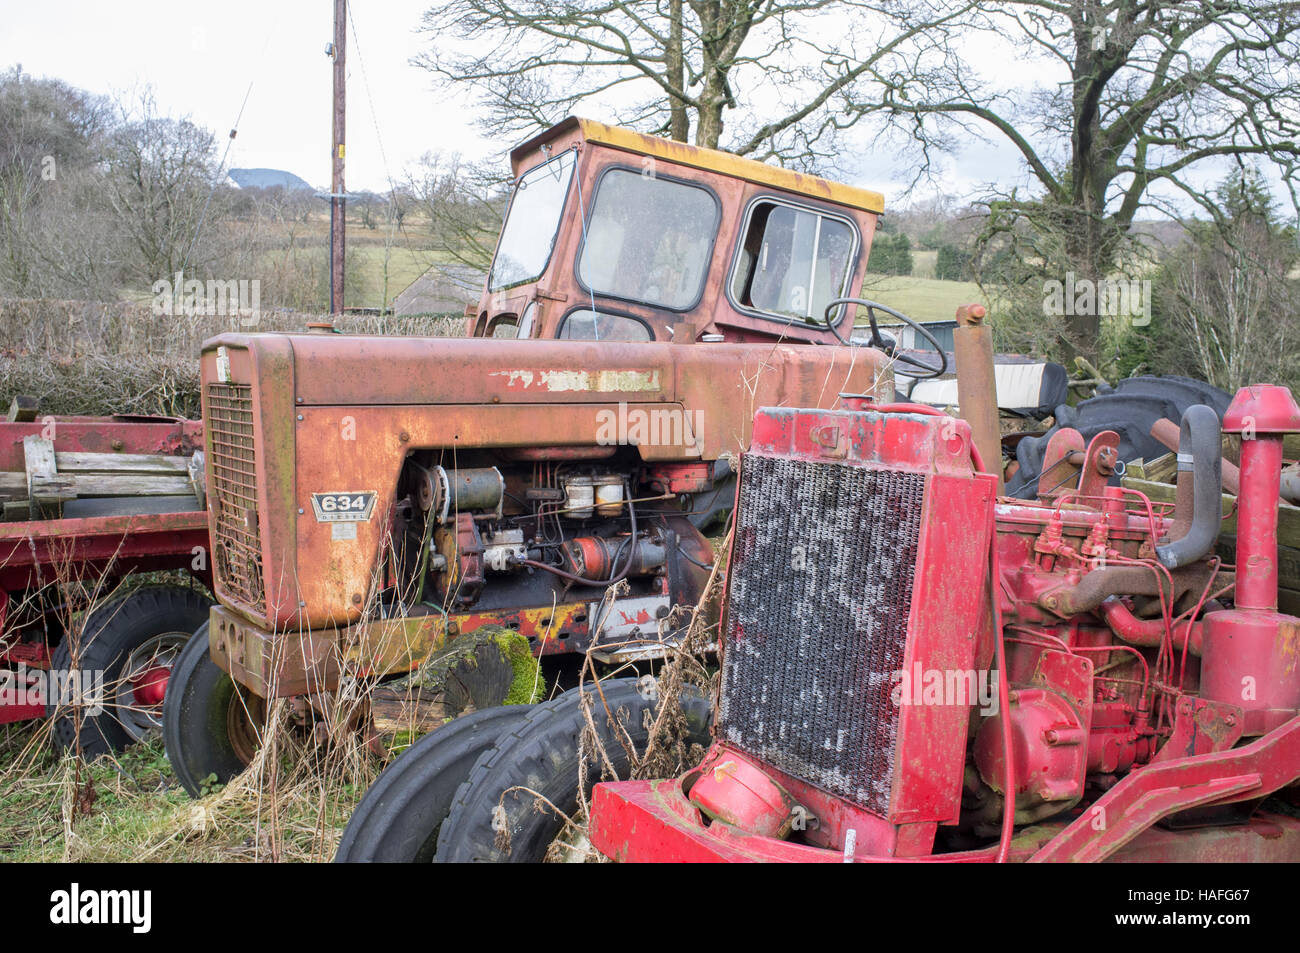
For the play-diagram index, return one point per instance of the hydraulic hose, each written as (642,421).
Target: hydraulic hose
(1200,454)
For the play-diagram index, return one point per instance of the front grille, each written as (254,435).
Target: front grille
(232,488)
(820,592)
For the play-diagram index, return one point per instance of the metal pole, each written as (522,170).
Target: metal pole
(977,391)
(338,204)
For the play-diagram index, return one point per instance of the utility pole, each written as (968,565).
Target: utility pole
(338,201)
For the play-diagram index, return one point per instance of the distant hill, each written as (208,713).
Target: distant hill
(267,179)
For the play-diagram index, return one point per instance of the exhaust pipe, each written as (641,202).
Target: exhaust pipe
(1200,449)
(977,391)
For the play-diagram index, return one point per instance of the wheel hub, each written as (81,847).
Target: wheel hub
(150,685)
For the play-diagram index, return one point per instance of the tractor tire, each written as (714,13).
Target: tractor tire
(399,818)
(134,641)
(1129,409)
(492,821)
(211,726)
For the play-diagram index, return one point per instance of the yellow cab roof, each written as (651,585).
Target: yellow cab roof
(711,160)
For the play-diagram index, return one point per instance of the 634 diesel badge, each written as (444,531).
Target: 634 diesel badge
(343,507)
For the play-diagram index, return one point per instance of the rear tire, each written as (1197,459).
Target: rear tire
(399,818)
(134,640)
(542,754)
(211,726)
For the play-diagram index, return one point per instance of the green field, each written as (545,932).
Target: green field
(404,266)
(925,299)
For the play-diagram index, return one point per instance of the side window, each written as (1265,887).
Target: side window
(506,326)
(588,325)
(649,240)
(793,262)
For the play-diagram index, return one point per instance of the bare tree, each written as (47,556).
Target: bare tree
(1137,100)
(50,137)
(1228,306)
(462,203)
(772,79)
(160,181)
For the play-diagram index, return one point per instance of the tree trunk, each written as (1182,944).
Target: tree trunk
(679,124)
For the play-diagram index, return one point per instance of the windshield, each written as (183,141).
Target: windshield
(532,223)
(650,240)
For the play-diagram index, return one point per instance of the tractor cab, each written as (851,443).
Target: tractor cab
(615,236)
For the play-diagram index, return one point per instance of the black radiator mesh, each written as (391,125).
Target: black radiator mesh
(820,591)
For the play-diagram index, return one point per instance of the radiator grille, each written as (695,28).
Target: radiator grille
(820,592)
(232,488)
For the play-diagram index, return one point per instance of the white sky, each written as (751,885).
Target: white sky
(200,58)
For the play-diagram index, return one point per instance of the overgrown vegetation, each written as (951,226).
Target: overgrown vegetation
(291,805)
(83,357)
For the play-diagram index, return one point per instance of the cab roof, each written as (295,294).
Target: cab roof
(711,160)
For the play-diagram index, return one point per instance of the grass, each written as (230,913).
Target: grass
(291,805)
(925,299)
(404,266)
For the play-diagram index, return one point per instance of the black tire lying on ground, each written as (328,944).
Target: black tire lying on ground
(210,724)
(138,634)
(401,814)
(542,754)
(1129,409)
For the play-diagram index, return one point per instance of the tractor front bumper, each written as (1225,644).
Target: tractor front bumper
(653,822)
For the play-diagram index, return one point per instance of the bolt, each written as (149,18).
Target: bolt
(356,598)
(404,436)
(300,416)
(118,445)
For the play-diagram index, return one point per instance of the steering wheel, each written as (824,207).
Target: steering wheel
(878,342)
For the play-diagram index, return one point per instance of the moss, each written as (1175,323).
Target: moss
(527,686)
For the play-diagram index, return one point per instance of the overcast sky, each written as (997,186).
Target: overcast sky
(200,59)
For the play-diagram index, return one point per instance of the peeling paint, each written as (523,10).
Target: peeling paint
(606,381)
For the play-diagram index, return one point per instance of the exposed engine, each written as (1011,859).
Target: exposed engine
(505,537)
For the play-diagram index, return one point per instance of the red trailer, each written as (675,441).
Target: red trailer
(87,503)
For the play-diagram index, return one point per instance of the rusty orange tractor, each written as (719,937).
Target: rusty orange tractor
(372,498)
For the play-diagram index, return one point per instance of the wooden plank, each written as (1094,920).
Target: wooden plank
(121,463)
(128,484)
(1163,469)
(45,488)
(13,485)
(23,409)
(17,511)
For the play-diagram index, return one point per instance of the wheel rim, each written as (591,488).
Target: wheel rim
(245,716)
(143,683)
